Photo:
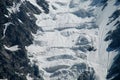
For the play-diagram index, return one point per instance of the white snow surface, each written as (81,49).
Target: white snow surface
(14,8)
(12,48)
(28,77)
(64,34)
(5,28)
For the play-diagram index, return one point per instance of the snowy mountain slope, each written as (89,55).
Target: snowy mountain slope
(75,39)
(67,41)
(73,34)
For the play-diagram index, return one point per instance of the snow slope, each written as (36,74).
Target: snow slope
(105,58)
(68,39)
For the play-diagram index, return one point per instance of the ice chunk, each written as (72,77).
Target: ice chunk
(12,48)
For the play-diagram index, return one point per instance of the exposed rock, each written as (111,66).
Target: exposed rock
(15,65)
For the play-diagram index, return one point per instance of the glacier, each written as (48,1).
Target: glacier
(70,40)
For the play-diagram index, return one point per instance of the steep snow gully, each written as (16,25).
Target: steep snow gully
(72,40)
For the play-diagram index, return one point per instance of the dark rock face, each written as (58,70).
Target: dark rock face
(15,65)
(44,5)
(114,36)
(86,76)
(114,45)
